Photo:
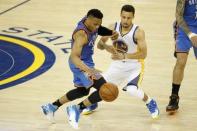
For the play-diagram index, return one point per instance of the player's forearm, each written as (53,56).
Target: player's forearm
(138,55)
(179,16)
(110,49)
(102,45)
(78,63)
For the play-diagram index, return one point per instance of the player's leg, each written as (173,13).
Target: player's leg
(113,75)
(90,109)
(134,80)
(178,74)
(50,108)
(183,46)
(74,111)
(81,83)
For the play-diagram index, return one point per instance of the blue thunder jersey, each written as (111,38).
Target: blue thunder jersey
(88,48)
(190,12)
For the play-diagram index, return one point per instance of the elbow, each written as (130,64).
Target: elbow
(71,57)
(100,47)
(179,19)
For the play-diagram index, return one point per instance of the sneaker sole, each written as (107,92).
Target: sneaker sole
(73,125)
(87,112)
(171,112)
(155,118)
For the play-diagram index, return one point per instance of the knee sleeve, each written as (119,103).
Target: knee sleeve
(94,97)
(98,83)
(77,93)
(134,91)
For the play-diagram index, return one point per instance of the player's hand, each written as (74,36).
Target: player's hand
(193,38)
(114,35)
(93,73)
(118,56)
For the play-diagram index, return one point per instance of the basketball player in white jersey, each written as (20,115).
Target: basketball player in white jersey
(128,66)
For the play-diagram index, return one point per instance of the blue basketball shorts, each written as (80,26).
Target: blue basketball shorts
(183,43)
(81,78)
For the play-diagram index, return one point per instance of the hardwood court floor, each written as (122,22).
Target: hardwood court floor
(20,104)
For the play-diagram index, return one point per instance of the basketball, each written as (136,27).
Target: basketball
(108,92)
(120,46)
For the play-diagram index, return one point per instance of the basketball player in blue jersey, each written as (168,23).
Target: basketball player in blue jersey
(186,37)
(82,67)
(128,66)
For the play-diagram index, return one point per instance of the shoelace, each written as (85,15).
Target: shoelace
(151,106)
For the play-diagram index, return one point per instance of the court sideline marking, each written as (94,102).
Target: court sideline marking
(9,9)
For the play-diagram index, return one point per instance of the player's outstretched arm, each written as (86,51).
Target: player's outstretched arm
(102,42)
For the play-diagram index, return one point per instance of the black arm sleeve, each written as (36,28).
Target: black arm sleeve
(103,31)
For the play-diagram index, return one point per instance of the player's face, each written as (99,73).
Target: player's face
(94,23)
(126,19)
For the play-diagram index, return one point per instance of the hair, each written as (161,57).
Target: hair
(95,13)
(128,8)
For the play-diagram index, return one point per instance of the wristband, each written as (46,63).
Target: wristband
(190,35)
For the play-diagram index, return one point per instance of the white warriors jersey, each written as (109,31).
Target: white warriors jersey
(128,38)
(127,70)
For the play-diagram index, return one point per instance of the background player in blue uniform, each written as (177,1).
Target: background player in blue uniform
(82,67)
(186,37)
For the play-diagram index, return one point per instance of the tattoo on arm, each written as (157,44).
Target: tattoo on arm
(179,16)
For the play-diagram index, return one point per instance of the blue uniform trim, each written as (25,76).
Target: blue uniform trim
(134,35)
(115,26)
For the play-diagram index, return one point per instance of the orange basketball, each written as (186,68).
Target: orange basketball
(108,92)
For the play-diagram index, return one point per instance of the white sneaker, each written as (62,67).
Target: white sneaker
(49,111)
(73,115)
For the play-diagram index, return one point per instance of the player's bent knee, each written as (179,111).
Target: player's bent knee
(77,93)
(132,89)
(84,91)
